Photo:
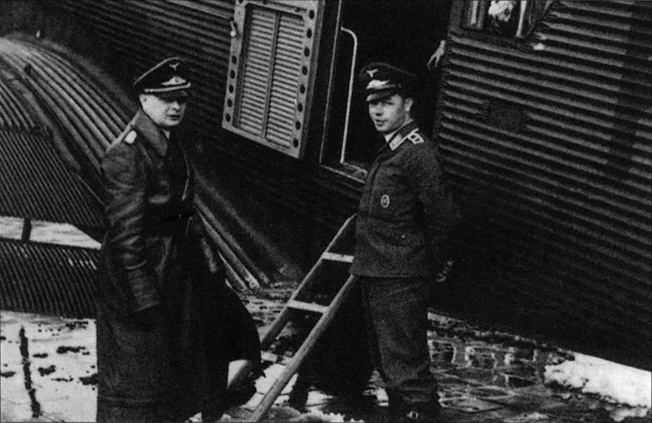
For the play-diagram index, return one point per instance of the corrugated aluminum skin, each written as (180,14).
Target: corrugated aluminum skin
(14,113)
(143,32)
(91,112)
(550,146)
(35,183)
(47,279)
(34,180)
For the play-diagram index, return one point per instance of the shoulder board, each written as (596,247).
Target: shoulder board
(130,137)
(415,137)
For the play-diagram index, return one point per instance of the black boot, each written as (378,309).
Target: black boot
(213,407)
(409,412)
(414,416)
(242,392)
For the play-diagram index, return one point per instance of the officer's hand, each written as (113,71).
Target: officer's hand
(434,60)
(445,271)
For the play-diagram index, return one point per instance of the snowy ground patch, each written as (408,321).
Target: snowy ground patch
(612,381)
(48,368)
(47,232)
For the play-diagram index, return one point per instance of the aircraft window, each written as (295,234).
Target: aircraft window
(271,72)
(508,18)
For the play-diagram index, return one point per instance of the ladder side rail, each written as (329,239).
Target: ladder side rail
(278,324)
(341,232)
(276,327)
(309,343)
(305,306)
(283,317)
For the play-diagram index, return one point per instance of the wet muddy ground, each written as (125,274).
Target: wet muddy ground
(485,375)
(48,374)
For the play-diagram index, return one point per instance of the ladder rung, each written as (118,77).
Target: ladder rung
(300,305)
(268,356)
(274,358)
(344,258)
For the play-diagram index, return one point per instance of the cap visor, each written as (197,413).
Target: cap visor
(379,95)
(173,95)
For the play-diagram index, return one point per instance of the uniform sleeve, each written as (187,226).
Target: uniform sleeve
(441,215)
(124,179)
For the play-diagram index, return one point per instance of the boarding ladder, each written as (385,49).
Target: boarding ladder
(319,293)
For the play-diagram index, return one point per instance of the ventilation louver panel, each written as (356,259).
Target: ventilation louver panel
(270,73)
(284,84)
(256,70)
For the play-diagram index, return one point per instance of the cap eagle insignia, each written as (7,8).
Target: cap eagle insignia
(376,84)
(175,80)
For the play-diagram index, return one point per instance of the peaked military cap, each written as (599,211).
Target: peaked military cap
(380,80)
(169,76)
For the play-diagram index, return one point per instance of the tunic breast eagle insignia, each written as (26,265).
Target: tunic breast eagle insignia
(384,201)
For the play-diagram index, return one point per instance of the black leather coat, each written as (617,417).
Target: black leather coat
(148,203)
(160,326)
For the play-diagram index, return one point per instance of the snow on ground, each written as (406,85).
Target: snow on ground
(48,367)
(47,232)
(11,227)
(318,416)
(280,411)
(611,381)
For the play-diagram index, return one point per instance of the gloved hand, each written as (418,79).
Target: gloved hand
(445,270)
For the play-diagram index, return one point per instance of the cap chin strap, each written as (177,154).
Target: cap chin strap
(185,86)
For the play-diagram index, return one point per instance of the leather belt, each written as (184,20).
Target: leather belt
(174,225)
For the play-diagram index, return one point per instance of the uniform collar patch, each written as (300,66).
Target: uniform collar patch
(396,143)
(410,132)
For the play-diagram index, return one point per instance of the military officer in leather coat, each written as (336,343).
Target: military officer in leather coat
(405,215)
(161,347)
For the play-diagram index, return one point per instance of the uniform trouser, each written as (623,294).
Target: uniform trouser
(396,313)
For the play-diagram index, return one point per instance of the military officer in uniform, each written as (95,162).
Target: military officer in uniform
(162,301)
(405,216)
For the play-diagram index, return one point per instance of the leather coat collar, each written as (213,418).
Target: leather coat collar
(152,133)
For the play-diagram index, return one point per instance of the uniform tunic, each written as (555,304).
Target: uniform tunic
(404,217)
(160,331)
(405,213)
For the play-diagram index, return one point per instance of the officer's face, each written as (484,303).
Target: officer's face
(165,112)
(389,113)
